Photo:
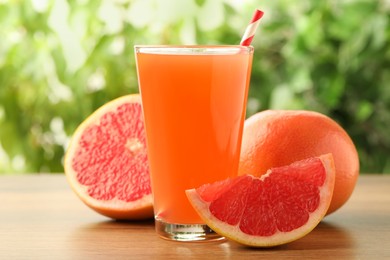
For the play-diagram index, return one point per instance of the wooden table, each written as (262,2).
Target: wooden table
(41,218)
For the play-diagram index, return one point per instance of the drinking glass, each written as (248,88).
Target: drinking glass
(194,103)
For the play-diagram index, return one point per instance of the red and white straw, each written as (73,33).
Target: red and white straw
(251,29)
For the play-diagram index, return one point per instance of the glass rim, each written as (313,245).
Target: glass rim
(193,49)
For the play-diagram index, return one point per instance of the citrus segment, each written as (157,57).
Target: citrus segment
(106,163)
(274,138)
(283,205)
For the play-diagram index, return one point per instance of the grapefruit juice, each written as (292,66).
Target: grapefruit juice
(194,102)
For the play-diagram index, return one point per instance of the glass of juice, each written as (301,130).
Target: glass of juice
(194,102)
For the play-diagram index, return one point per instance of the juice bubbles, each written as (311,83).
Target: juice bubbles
(194,102)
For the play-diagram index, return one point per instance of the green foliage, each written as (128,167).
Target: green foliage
(60,60)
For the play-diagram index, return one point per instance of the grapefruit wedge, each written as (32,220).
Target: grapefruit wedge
(106,163)
(281,206)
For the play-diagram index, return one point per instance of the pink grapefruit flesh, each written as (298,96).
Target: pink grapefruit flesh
(279,207)
(106,163)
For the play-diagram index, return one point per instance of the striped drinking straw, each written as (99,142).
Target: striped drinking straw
(251,29)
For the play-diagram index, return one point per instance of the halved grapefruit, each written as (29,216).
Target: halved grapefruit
(106,163)
(279,207)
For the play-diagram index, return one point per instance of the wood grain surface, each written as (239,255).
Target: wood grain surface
(41,218)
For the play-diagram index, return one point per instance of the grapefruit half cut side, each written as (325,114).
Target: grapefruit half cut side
(106,163)
(281,206)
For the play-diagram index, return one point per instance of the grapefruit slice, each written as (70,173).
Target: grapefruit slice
(106,163)
(279,207)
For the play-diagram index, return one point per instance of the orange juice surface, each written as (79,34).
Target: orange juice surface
(194,107)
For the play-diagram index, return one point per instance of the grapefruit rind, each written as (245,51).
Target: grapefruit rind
(234,233)
(115,208)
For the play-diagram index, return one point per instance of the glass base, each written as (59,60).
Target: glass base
(186,232)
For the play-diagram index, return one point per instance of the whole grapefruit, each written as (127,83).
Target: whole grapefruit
(275,138)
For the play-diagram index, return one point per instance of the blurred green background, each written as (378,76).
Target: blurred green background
(60,60)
